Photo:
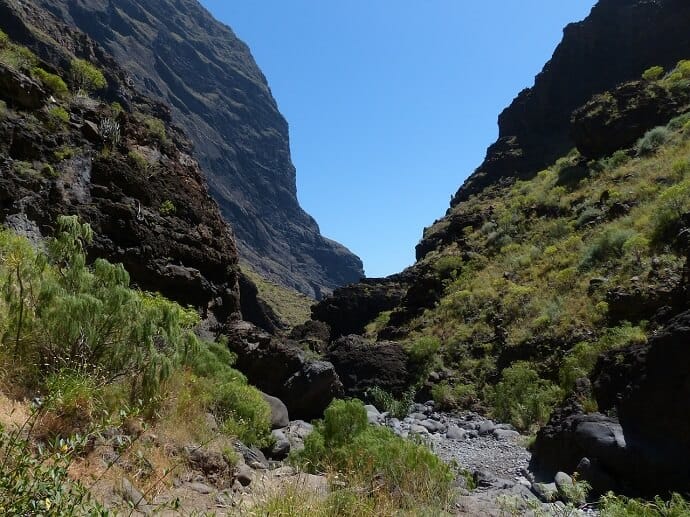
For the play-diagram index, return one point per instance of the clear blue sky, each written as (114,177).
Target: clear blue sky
(392,103)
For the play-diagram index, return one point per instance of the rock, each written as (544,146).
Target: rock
(505,434)
(211,422)
(349,309)
(279,412)
(286,471)
(455,433)
(483,478)
(546,492)
(200,488)
(130,493)
(598,479)
(486,428)
(252,456)
(372,409)
(418,429)
(361,365)
(313,334)
(244,474)
(211,463)
(432,426)
(20,89)
(281,448)
(90,131)
(306,387)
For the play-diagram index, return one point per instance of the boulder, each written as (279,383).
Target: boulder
(280,368)
(361,365)
(279,412)
(546,492)
(20,89)
(281,447)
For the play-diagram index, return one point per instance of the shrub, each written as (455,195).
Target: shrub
(36,482)
(612,505)
(65,314)
(448,265)
(607,245)
(138,159)
(672,204)
(422,353)
(678,122)
(652,140)
(57,117)
(4,39)
(156,129)
(110,131)
(86,77)
(167,208)
(242,412)
(617,159)
(653,73)
(53,82)
(408,472)
(683,68)
(384,401)
(588,215)
(522,398)
(456,396)
(19,58)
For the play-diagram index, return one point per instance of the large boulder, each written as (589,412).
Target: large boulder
(280,368)
(19,89)
(362,364)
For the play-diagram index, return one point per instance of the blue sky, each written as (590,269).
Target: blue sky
(392,103)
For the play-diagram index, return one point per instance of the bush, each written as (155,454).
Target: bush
(617,159)
(457,396)
(156,129)
(167,208)
(422,353)
(673,203)
(4,39)
(242,412)
(653,73)
(448,265)
(652,141)
(36,482)
(53,82)
(612,505)
(607,245)
(19,58)
(678,122)
(86,77)
(57,117)
(344,442)
(522,398)
(384,401)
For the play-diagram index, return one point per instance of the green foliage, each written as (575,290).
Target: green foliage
(67,315)
(607,245)
(673,203)
(4,39)
(167,208)
(3,109)
(86,77)
(678,122)
(344,442)
(110,132)
(652,141)
(522,398)
(18,57)
(454,396)
(612,505)
(64,153)
(138,159)
(617,159)
(422,352)
(156,129)
(384,401)
(49,171)
(53,82)
(653,73)
(57,117)
(448,265)
(36,482)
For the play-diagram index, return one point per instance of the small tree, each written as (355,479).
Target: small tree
(87,77)
(653,74)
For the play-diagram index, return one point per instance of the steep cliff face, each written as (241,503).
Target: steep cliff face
(142,193)
(615,43)
(177,52)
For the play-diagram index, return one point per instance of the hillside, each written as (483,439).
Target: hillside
(176,52)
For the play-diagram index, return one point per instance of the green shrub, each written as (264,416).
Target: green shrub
(653,73)
(678,122)
(672,204)
(588,215)
(607,245)
(36,481)
(242,412)
(17,57)
(49,171)
(345,443)
(156,128)
(64,153)
(652,141)
(522,397)
(422,353)
(683,68)
(53,82)
(57,117)
(86,77)
(456,396)
(384,401)
(138,159)
(85,318)
(448,265)
(4,39)
(167,208)
(612,505)
(617,159)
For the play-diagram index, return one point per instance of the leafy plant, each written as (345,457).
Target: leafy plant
(653,73)
(53,82)
(167,208)
(86,77)
(652,140)
(398,408)
(618,506)
(110,132)
(57,117)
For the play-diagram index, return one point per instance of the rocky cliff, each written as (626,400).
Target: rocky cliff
(618,40)
(175,51)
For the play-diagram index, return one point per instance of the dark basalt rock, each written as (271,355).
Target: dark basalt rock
(350,308)
(20,90)
(646,449)
(175,51)
(615,43)
(280,368)
(362,364)
(617,119)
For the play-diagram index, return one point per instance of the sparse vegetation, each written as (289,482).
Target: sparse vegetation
(86,77)
(652,140)
(653,73)
(53,82)
(167,208)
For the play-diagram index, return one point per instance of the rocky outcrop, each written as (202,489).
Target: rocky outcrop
(177,52)
(350,308)
(362,364)
(281,369)
(21,90)
(615,43)
(617,119)
(646,448)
